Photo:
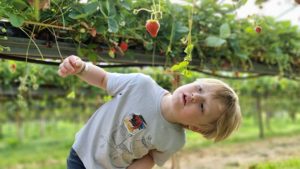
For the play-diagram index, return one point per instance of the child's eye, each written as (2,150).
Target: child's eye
(200,89)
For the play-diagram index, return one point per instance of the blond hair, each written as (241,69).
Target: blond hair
(230,118)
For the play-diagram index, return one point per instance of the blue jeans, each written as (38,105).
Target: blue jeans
(73,161)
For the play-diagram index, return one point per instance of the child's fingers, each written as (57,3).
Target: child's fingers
(69,68)
(76,62)
(72,60)
(62,71)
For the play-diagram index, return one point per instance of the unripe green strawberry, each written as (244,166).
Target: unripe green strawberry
(111,52)
(152,26)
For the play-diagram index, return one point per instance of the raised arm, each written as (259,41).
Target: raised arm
(88,72)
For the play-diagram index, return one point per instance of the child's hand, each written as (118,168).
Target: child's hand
(70,66)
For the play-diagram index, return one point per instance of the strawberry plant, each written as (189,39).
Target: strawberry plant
(159,29)
(152,25)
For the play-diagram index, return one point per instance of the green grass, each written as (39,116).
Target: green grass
(285,164)
(51,151)
(41,151)
(35,152)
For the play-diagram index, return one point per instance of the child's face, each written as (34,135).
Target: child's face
(194,104)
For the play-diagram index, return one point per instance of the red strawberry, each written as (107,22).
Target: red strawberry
(258,29)
(152,26)
(124,46)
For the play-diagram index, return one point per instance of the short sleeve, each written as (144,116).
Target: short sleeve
(116,82)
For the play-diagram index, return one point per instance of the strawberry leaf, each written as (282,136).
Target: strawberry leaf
(213,41)
(225,31)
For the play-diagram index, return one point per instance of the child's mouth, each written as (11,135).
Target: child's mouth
(184,99)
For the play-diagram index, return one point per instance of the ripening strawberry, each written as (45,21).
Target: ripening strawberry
(124,46)
(93,32)
(13,67)
(258,29)
(237,74)
(111,52)
(152,26)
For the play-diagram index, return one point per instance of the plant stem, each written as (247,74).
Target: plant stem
(49,25)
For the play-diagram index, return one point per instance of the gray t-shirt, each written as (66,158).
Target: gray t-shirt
(128,126)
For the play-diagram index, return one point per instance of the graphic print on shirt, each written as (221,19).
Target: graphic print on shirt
(129,141)
(134,123)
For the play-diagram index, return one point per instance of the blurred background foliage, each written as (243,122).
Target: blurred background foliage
(39,115)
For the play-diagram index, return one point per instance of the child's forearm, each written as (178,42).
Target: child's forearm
(94,75)
(145,163)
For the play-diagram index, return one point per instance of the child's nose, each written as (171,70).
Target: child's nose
(196,97)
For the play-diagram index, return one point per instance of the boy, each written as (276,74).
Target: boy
(143,124)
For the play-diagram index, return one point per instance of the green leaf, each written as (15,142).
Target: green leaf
(111,9)
(181,28)
(92,56)
(187,73)
(100,27)
(90,8)
(126,4)
(213,41)
(19,4)
(242,56)
(71,95)
(249,30)
(85,11)
(15,20)
(180,66)
(112,25)
(188,50)
(77,15)
(107,98)
(79,52)
(225,30)
(148,45)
